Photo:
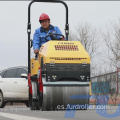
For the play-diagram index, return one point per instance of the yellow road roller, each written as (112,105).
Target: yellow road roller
(59,71)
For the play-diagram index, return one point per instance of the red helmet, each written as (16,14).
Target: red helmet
(44,16)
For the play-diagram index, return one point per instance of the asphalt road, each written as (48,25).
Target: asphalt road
(24,113)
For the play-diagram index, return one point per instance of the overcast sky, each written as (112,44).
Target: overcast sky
(13,23)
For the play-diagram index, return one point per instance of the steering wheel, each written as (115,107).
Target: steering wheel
(54,38)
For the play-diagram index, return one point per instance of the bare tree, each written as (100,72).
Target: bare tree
(112,41)
(89,38)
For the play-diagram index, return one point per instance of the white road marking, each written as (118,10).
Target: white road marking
(19,117)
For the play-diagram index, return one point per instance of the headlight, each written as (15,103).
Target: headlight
(54,77)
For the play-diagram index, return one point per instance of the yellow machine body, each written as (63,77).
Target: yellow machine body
(60,52)
(64,52)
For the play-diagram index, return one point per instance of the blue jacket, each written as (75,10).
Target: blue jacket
(40,34)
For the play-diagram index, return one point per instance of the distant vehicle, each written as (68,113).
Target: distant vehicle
(14,85)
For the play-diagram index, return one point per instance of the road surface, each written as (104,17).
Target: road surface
(24,113)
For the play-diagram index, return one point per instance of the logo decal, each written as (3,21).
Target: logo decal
(53,31)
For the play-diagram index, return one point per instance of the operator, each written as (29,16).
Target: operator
(43,31)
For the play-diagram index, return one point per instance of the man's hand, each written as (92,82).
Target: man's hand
(62,38)
(36,51)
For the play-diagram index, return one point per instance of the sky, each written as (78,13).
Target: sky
(13,23)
